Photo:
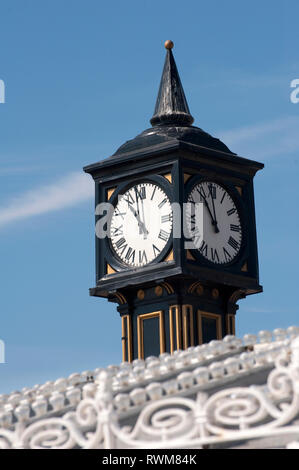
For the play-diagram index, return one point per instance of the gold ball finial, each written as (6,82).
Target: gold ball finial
(168,44)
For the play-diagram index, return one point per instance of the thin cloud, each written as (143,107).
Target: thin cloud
(67,192)
(264,140)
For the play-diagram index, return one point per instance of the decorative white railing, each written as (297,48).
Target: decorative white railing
(227,416)
(142,381)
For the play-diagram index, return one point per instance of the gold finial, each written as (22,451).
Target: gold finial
(168,44)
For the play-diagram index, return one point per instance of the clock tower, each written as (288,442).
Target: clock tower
(176,240)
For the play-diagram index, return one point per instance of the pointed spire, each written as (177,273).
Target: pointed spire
(171,106)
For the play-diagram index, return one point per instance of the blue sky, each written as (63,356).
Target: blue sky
(81,78)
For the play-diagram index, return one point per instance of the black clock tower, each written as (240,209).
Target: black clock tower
(175,273)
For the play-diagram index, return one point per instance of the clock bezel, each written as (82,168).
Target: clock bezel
(111,256)
(234,194)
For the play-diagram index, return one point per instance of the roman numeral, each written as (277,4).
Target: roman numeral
(117,213)
(214,255)
(156,250)
(231,211)
(233,243)
(194,228)
(117,231)
(163,235)
(202,194)
(224,193)
(165,218)
(226,255)
(130,254)
(129,198)
(121,245)
(192,221)
(142,257)
(162,203)
(153,193)
(235,228)
(203,248)
(212,191)
(141,193)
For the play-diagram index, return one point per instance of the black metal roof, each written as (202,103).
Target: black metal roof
(172,119)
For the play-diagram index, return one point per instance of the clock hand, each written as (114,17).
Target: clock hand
(215,220)
(140,223)
(136,194)
(145,232)
(143,218)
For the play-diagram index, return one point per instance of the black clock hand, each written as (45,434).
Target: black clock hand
(143,217)
(214,223)
(145,232)
(136,194)
(215,220)
(140,223)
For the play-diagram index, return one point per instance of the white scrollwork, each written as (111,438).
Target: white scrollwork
(231,414)
(163,420)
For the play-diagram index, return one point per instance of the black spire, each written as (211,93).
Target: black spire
(171,106)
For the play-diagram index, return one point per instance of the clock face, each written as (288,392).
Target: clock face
(141,224)
(215,227)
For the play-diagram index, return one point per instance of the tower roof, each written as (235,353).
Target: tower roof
(171,105)
(172,119)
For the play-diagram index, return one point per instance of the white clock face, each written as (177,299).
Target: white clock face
(216,233)
(141,224)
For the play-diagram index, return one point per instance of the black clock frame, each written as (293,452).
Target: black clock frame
(178,160)
(234,194)
(111,257)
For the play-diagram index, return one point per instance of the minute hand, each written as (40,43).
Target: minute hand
(140,223)
(215,220)
(214,223)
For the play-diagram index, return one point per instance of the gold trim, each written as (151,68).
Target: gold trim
(192,287)
(110,270)
(158,291)
(140,294)
(201,314)
(196,286)
(126,338)
(199,290)
(190,256)
(170,257)
(186,177)
(178,327)
(168,176)
(239,189)
(110,192)
(228,328)
(171,331)
(123,339)
(244,267)
(130,345)
(120,297)
(191,326)
(215,293)
(168,287)
(174,309)
(140,320)
(187,321)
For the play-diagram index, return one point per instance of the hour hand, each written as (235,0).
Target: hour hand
(140,223)
(214,221)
